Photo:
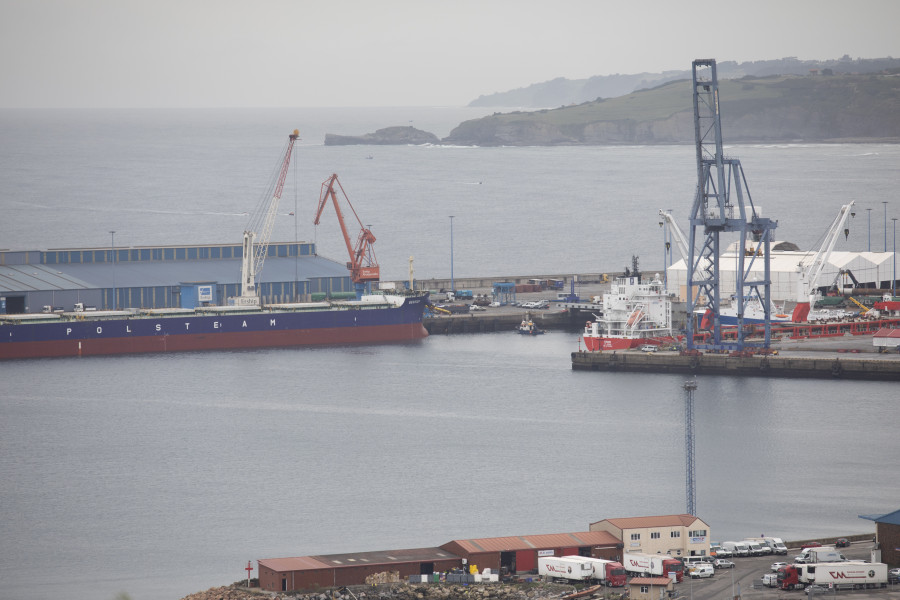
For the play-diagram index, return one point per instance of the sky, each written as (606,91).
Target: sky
(348,53)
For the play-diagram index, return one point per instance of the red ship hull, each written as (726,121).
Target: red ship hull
(218,341)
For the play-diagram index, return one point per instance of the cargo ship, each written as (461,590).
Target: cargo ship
(633,314)
(375,318)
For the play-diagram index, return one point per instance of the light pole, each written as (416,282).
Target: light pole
(894,276)
(885,224)
(869,210)
(112,235)
(452,286)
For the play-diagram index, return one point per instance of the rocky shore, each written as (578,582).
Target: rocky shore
(384,137)
(400,591)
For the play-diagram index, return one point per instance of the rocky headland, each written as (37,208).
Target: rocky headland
(388,136)
(774,109)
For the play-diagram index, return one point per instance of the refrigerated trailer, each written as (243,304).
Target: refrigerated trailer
(569,568)
(659,565)
(608,572)
(840,575)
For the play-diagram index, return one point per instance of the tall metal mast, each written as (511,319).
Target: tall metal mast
(719,208)
(690,484)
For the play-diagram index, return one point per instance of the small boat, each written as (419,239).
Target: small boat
(527,327)
(586,592)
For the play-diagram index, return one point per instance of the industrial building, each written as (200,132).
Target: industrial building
(513,554)
(675,535)
(887,536)
(334,570)
(517,554)
(160,276)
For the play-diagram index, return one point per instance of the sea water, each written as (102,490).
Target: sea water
(162,475)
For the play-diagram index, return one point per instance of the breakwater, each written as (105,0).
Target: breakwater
(829,366)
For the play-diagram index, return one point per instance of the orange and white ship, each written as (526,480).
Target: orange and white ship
(633,314)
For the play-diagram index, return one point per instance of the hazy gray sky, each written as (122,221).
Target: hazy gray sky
(262,53)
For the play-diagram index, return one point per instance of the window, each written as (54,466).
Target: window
(675,534)
(635,537)
(698,533)
(645,589)
(654,535)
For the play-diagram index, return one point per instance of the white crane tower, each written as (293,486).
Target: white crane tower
(262,221)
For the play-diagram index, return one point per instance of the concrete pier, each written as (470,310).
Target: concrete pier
(827,366)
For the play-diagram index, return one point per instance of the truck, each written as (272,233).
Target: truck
(568,568)
(840,575)
(822,554)
(608,572)
(659,565)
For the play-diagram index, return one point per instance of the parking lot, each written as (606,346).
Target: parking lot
(745,580)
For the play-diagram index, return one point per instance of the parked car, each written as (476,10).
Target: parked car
(894,576)
(816,589)
(799,559)
(723,553)
(810,545)
(475,307)
(723,563)
(649,348)
(702,570)
(778,565)
(842,543)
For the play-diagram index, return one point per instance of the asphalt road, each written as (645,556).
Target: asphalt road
(749,571)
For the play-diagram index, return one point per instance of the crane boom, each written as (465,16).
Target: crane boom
(263,220)
(809,277)
(680,240)
(362,265)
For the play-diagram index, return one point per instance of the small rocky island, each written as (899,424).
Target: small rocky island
(384,137)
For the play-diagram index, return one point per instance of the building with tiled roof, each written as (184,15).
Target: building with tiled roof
(517,554)
(676,535)
(650,588)
(332,570)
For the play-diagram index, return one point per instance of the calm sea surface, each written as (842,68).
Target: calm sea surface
(159,476)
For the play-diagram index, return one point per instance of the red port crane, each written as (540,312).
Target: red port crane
(363,266)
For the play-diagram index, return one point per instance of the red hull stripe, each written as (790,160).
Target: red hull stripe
(216,341)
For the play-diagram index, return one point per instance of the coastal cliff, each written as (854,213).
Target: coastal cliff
(773,109)
(846,108)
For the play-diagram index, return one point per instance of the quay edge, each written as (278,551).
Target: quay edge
(826,367)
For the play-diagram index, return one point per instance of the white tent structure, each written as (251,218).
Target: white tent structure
(871,269)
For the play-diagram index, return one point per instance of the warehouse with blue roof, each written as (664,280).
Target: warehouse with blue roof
(161,277)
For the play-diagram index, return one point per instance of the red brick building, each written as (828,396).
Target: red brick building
(334,570)
(519,554)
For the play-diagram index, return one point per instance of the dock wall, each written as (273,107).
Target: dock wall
(829,367)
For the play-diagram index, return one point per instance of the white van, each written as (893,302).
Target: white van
(757,549)
(702,570)
(741,549)
(690,561)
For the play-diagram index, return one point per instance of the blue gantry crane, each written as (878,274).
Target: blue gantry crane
(722,205)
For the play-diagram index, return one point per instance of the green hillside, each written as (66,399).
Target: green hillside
(754,109)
